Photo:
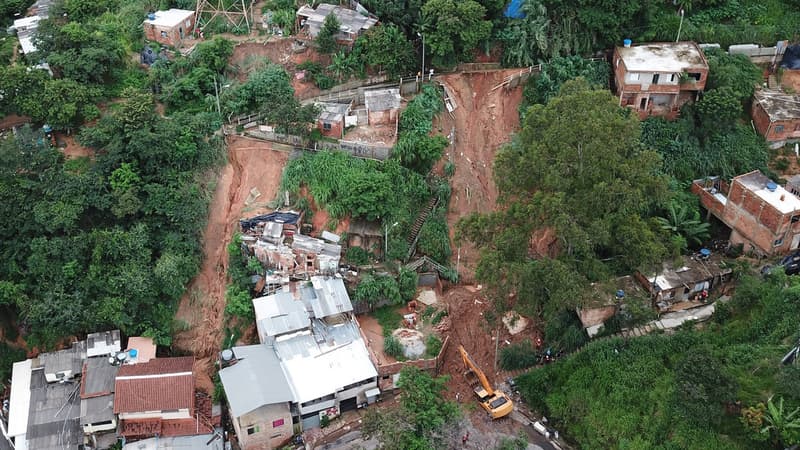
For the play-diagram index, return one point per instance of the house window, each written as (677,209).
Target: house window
(633,76)
(277,423)
(253,430)
(672,78)
(163,34)
(779,128)
(694,76)
(795,218)
(326,126)
(655,78)
(188,24)
(777,242)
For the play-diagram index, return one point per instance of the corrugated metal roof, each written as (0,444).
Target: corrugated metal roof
(279,314)
(331,297)
(257,379)
(98,377)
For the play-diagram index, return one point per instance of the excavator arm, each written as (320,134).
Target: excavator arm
(472,366)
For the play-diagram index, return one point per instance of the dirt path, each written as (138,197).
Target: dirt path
(484,121)
(251,164)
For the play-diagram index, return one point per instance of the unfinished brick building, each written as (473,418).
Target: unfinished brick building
(776,116)
(762,216)
(656,79)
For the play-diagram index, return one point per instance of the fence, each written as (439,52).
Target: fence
(350,85)
(357,149)
(434,364)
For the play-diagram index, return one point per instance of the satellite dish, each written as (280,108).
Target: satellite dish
(111,360)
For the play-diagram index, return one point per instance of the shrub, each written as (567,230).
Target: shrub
(433,345)
(393,347)
(357,256)
(438,317)
(518,356)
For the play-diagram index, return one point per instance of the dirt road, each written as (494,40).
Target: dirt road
(484,121)
(251,164)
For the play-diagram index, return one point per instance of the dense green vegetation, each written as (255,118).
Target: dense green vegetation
(683,390)
(422,418)
(590,181)
(110,242)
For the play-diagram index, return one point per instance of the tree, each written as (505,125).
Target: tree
(783,425)
(453,29)
(213,54)
(422,413)
(386,48)
(720,107)
(684,222)
(326,39)
(577,173)
(546,84)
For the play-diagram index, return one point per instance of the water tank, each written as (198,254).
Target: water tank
(227,355)
(133,352)
(151,16)
(620,294)
(627,43)
(705,252)
(122,356)
(771,186)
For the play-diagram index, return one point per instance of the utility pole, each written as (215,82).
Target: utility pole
(216,94)
(678,38)
(423,54)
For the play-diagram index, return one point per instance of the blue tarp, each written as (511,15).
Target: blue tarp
(791,57)
(280,217)
(514,10)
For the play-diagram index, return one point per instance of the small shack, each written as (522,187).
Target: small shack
(776,116)
(331,120)
(169,27)
(688,284)
(351,23)
(383,106)
(367,235)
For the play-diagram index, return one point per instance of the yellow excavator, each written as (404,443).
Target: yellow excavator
(496,403)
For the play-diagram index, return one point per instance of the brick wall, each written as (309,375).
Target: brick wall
(383,117)
(335,131)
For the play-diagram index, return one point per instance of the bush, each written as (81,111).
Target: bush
(433,345)
(374,289)
(388,318)
(357,256)
(439,316)
(407,283)
(393,348)
(518,356)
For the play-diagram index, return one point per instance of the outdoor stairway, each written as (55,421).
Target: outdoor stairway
(772,82)
(415,229)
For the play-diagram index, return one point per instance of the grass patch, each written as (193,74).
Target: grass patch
(388,318)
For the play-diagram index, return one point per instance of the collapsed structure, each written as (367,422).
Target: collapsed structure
(352,24)
(275,240)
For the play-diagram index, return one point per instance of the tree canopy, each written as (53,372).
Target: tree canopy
(422,414)
(453,28)
(576,168)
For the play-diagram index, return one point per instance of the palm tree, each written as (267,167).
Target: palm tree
(786,427)
(685,222)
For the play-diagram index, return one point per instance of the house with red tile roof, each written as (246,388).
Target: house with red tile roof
(158,398)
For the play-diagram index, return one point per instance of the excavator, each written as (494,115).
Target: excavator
(495,402)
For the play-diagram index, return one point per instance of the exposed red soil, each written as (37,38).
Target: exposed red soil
(484,121)
(279,51)
(467,308)
(251,164)
(70,148)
